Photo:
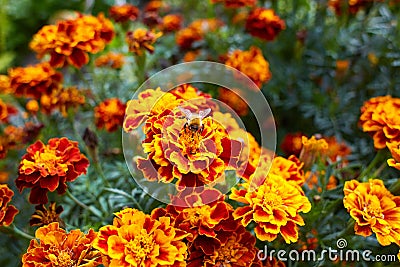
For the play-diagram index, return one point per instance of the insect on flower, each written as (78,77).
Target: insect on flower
(194,120)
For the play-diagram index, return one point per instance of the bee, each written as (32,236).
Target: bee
(194,120)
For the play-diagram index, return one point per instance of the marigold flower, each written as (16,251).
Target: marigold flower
(14,135)
(171,22)
(196,31)
(338,151)
(7,212)
(313,182)
(44,216)
(62,99)
(141,40)
(53,246)
(34,80)
(5,111)
(353,6)
(252,63)
(292,144)
(124,13)
(5,85)
(152,19)
(374,209)
(48,167)
(109,114)
(156,6)
(313,149)
(394,148)
(4,177)
(32,106)
(70,41)
(113,60)
(379,119)
(137,239)
(291,169)
(273,204)
(235,3)
(233,100)
(191,55)
(341,67)
(264,23)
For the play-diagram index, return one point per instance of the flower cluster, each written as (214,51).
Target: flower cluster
(48,167)
(374,209)
(70,41)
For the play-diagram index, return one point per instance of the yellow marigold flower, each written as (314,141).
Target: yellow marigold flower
(235,3)
(379,118)
(141,39)
(32,106)
(7,212)
(124,13)
(109,114)
(374,209)
(264,23)
(53,246)
(113,60)
(5,85)
(394,148)
(273,204)
(43,216)
(136,239)
(62,99)
(70,41)
(34,80)
(48,167)
(313,149)
(171,22)
(252,63)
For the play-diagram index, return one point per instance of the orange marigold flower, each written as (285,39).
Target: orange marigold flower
(313,181)
(292,144)
(394,148)
(141,40)
(113,60)
(14,135)
(264,23)
(70,41)
(4,176)
(53,246)
(5,85)
(43,216)
(233,100)
(273,204)
(235,3)
(291,169)
(137,239)
(7,212)
(156,6)
(252,63)
(379,118)
(48,167)
(62,99)
(313,149)
(34,80)
(338,151)
(109,114)
(171,22)
(374,209)
(191,55)
(32,106)
(124,13)
(5,111)
(196,31)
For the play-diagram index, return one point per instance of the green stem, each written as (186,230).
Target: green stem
(349,229)
(83,205)
(15,230)
(141,68)
(395,188)
(100,171)
(378,157)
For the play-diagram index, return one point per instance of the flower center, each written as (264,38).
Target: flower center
(227,253)
(196,215)
(190,141)
(272,199)
(373,208)
(64,259)
(46,160)
(141,246)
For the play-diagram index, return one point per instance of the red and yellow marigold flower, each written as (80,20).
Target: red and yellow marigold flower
(394,148)
(53,246)
(141,40)
(156,6)
(352,6)
(273,204)
(264,23)
(48,167)
(113,60)
(137,239)
(124,13)
(44,216)
(374,209)
(252,63)
(291,169)
(196,31)
(62,99)
(70,41)
(171,23)
(109,114)
(236,3)
(379,117)
(34,80)
(7,212)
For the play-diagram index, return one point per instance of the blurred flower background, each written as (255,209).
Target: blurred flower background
(328,68)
